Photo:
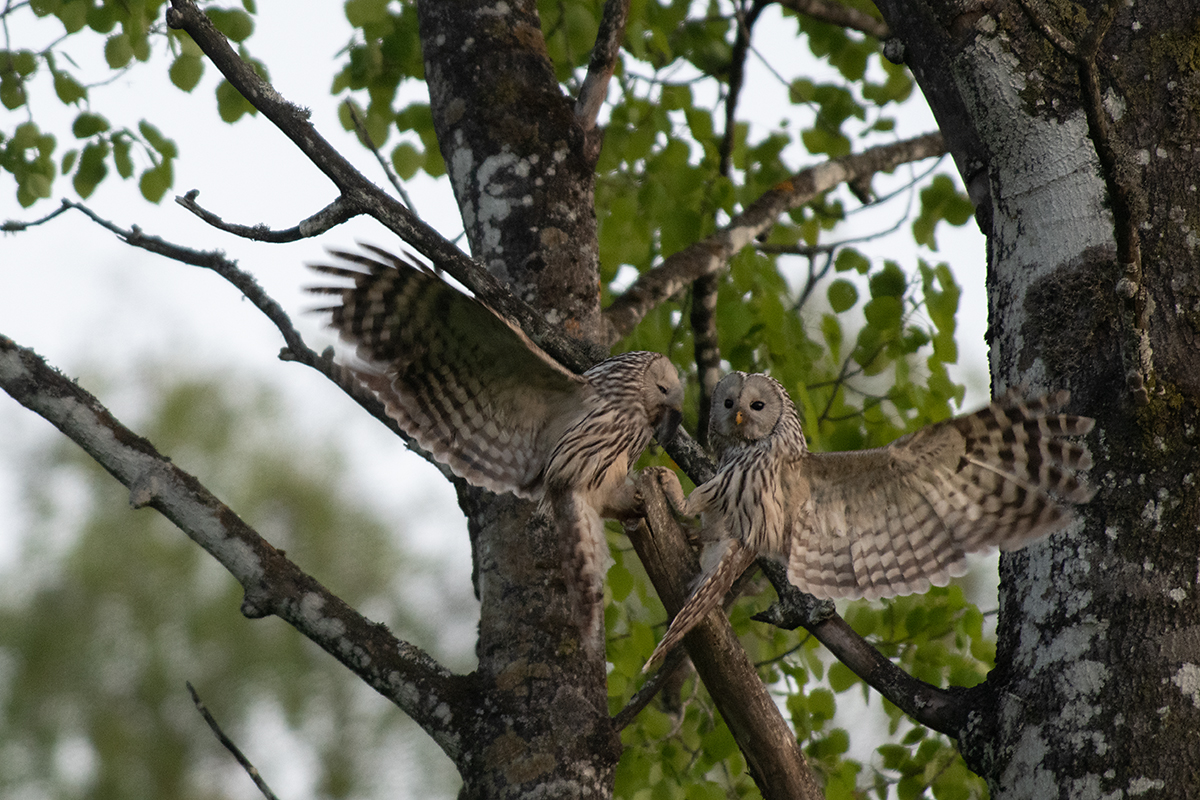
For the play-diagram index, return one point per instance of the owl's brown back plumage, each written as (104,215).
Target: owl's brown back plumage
(888,521)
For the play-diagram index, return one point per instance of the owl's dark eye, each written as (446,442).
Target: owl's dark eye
(758,405)
(729,402)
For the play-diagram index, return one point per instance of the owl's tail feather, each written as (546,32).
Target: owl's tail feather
(708,595)
(585,558)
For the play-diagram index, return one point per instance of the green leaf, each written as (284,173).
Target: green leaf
(68,89)
(850,259)
(233,22)
(22,62)
(185,71)
(892,755)
(166,147)
(676,97)
(883,313)
(73,14)
(364,12)
(842,295)
(102,17)
(87,124)
(841,677)
(156,181)
(620,581)
(889,282)
(940,200)
(12,91)
(821,704)
(121,155)
(118,50)
(406,160)
(231,106)
(92,168)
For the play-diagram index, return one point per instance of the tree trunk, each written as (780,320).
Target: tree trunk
(515,157)
(1078,137)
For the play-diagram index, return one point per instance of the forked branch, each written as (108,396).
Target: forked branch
(361,196)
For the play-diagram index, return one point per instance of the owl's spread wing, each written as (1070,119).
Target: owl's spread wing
(470,387)
(899,518)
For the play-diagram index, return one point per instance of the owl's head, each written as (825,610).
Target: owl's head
(746,408)
(662,394)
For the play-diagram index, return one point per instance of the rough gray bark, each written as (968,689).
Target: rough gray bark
(1077,136)
(515,156)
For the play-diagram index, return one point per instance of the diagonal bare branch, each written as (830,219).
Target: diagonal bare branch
(842,15)
(943,710)
(769,744)
(713,253)
(230,745)
(273,585)
(363,197)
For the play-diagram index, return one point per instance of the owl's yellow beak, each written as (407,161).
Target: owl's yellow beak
(738,418)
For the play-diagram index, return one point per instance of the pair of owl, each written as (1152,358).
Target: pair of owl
(482,398)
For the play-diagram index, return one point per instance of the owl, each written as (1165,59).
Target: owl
(875,523)
(475,392)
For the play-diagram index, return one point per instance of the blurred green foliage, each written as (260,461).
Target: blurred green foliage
(108,611)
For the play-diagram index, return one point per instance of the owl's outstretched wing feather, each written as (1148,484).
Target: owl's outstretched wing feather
(897,519)
(470,387)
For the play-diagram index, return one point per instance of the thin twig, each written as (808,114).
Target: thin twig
(642,697)
(331,216)
(364,137)
(16,226)
(296,349)
(228,744)
(943,710)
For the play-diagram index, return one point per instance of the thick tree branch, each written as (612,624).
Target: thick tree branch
(737,73)
(398,670)
(772,752)
(600,70)
(943,710)
(841,15)
(707,346)
(363,197)
(712,254)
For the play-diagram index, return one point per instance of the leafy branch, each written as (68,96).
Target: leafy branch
(713,253)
